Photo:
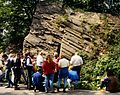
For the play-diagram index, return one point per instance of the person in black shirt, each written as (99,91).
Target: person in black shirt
(29,67)
(17,66)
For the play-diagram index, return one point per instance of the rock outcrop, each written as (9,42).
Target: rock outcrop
(88,32)
(43,34)
(53,29)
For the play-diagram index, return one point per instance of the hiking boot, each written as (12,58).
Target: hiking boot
(46,91)
(64,90)
(16,88)
(34,89)
(7,87)
(58,89)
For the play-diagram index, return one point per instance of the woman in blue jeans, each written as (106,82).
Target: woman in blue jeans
(49,79)
(48,70)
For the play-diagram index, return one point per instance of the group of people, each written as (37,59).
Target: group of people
(40,72)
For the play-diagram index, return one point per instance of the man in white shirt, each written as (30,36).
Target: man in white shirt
(40,59)
(63,72)
(63,63)
(76,62)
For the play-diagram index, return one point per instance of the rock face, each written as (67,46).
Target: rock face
(88,32)
(43,34)
(54,30)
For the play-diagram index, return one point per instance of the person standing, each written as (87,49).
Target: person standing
(56,60)
(29,70)
(9,63)
(40,59)
(17,71)
(63,72)
(48,70)
(23,68)
(76,62)
(2,75)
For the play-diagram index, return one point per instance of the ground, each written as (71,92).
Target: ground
(24,91)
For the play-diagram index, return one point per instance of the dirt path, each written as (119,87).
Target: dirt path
(23,91)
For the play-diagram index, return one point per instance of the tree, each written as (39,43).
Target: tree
(106,6)
(16,17)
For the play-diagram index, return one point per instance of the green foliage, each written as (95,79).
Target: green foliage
(106,6)
(61,19)
(16,17)
(94,70)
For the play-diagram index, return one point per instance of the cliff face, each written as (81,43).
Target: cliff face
(88,32)
(43,34)
(54,30)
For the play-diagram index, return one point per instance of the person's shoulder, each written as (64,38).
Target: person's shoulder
(45,62)
(38,56)
(67,60)
(73,56)
(36,73)
(60,60)
(78,56)
(53,62)
(63,59)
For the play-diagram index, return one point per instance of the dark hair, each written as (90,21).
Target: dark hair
(27,54)
(110,73)
(18,54)
(4,56)
(39,69)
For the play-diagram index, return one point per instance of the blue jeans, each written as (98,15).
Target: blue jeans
(77,69)
(60,80)
(49,78)
(8,77)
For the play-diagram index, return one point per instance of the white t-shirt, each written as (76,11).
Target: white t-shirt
(76,60)
(40,60)
(28,62)
(63,63)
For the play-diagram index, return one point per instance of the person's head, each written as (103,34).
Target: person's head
(11,55)
(18,55)
(27,54)
(110,73)
(55,54)
(49,58)
(39,69)
(62,56)
(41,53)
(4,56)
(21,55)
